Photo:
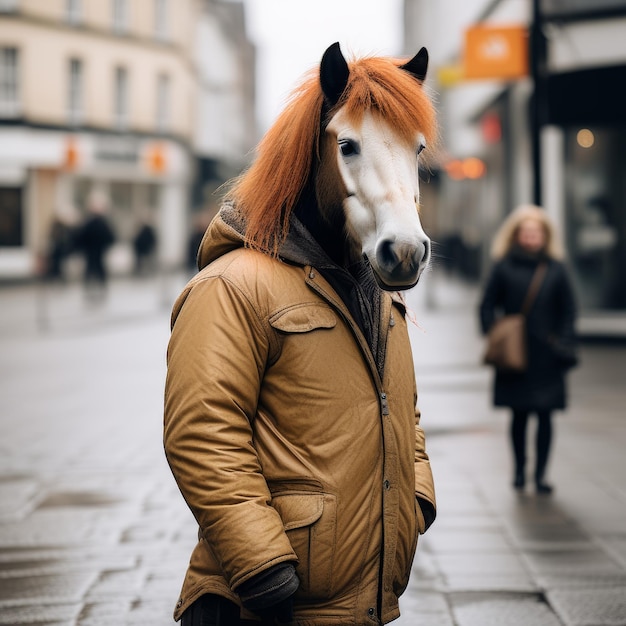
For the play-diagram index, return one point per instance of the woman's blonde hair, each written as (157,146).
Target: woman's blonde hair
(506,236)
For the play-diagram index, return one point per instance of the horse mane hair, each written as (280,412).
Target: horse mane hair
(269,190)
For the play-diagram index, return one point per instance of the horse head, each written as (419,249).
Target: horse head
(369,153)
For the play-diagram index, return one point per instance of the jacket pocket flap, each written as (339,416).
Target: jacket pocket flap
(298,509)
(303,318)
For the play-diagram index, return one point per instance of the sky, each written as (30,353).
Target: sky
(291,36)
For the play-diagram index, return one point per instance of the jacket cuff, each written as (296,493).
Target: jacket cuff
(269,587)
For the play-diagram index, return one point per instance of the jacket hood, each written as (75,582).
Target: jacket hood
(226,233)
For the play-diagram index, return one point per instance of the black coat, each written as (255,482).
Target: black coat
(542,386)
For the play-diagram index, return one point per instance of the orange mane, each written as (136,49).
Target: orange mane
(269,190)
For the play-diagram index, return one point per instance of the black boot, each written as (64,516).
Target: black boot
(518,439)
(519,481)
(544,439)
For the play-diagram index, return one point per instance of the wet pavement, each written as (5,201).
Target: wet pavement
(94,532)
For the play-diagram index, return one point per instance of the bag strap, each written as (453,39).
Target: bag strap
(533,288)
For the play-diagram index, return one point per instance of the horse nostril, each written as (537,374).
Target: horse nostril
(386,254)
(426,254)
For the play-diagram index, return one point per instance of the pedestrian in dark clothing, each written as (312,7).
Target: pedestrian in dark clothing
(61,245)
(94,238)
(144,245)
(525,240)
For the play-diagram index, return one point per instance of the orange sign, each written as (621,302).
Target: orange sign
(71,154)
(157,161)
(496,52)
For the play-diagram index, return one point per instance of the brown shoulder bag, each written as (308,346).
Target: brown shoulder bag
(506,340)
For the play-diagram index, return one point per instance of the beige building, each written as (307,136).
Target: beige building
(96,94)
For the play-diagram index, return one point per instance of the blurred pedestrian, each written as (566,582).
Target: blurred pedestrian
(144,245)
(61,242)
(525,241)
(93,239)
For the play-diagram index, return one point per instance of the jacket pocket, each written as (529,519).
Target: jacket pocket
(310,522)
(404,564)
(303,318)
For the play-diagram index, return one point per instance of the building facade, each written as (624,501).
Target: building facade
(579,157)
(106,95)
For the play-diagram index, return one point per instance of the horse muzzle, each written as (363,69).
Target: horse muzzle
(399,264)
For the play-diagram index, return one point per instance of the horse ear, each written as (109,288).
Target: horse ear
(334,73)
(417,65)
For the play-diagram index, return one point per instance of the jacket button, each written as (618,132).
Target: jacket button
(179,603)
(311,274)
(387,485)
(371,612)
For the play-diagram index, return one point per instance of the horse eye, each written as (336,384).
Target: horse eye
(420,148)
(348,148)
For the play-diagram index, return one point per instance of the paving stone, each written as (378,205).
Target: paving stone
(424,602)
(615,545)
(34,565)
(532,533)
(590,607)
(59,527)
(485,571)
(44,613)
(104,613)
(17,498)
(116,584)
(456,540)
(425,574)
(41,590)
(589,562)
(502,610)
(156,612)
(580,580)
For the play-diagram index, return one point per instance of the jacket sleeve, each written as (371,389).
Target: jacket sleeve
(424,484)
(491,299)
(216,358)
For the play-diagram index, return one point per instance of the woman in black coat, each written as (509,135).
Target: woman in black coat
(525,240)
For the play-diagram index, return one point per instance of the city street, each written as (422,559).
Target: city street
(93,531)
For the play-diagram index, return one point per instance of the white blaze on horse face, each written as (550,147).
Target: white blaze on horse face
(380,173)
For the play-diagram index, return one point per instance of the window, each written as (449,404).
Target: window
(73,11)
(9,82)
(160,19)
(8,6)
(163,103)
(75,92)
(121,98)
(120,16)
(11,226)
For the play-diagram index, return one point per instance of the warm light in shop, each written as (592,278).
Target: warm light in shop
(585,138)
(454,169)
(491,127)
(473,168)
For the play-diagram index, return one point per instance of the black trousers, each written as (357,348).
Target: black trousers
(519,425)
(213,610)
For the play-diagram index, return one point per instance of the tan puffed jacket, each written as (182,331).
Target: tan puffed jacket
(284,441)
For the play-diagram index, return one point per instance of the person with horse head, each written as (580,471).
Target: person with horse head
(291,424)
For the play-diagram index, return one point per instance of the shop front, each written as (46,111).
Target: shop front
(590,113)
(52,174)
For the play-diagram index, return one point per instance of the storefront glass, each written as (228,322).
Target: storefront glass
(595,196)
